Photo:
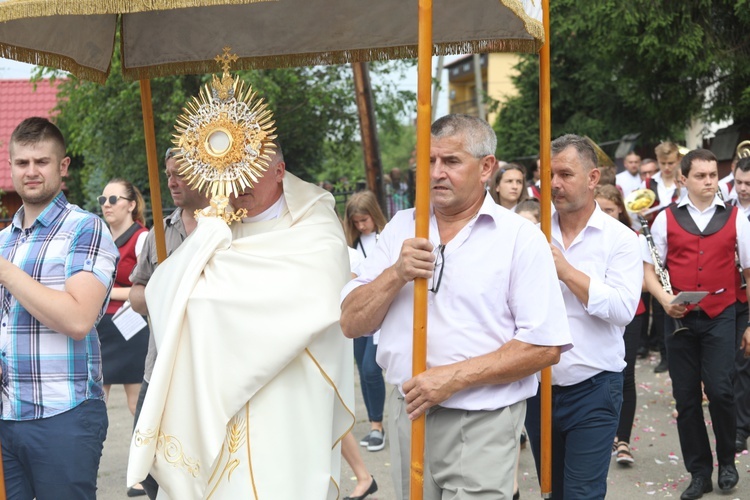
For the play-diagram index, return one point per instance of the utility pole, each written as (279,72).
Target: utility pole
(479,86)
(368,128)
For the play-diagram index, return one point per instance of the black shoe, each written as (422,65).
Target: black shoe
(740,443)
(372,489)
(698,486)
(642,352)
(136,492)
(728,477)
(661,367)
(517,495)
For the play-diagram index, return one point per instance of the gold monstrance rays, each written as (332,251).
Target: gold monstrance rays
(224,136)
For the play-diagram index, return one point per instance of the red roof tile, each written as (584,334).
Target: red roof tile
(18,101)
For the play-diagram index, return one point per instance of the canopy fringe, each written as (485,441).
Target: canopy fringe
(534,27)
(337,57)
(53,61)
(18,9)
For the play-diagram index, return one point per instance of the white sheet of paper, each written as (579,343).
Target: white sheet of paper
(686,298)
(128,321)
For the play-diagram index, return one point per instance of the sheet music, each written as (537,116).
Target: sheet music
(127,321)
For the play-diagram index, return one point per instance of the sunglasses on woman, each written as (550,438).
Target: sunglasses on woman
(112,199)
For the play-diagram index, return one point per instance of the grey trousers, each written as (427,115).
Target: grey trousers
(468,454)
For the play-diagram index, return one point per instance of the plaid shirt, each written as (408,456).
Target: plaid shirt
(44,372)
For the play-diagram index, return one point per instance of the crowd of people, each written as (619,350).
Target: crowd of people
(253,377)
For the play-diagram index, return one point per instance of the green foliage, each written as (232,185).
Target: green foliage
(314,110)
(639,66)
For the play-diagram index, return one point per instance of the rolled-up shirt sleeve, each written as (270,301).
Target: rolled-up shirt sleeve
(615,298)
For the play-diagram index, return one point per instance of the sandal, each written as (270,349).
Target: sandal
(624,457)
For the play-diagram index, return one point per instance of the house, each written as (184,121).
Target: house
(497,71)
(19,99)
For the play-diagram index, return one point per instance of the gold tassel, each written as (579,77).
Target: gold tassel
(533,27)
(337,57)
(54,61)
(19,9)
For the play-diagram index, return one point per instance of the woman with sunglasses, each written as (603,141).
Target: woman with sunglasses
(123,360)
(508,187)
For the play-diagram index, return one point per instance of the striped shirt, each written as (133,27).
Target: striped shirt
(44,372)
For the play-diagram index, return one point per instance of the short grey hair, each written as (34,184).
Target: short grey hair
(583,147)
(479,138)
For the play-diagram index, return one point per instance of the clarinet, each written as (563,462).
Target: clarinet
(661,271)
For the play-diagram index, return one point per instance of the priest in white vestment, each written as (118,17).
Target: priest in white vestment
(252,389)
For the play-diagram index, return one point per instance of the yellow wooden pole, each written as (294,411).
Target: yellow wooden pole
(153,169)
(3,496)
(545,138)
(422,229)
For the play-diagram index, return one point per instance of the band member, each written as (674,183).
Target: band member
(665,182)
(696,238)
(741,183)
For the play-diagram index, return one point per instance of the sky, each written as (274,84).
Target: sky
(14,70)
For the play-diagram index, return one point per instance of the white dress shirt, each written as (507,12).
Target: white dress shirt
(628,182)
(607,252)
(498,283)
(659,231)
(725,189)
(743,210)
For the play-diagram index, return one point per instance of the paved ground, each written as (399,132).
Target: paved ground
(658,472)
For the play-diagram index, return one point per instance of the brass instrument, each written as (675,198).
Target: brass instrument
(602,158)
(635,203)
(743,149)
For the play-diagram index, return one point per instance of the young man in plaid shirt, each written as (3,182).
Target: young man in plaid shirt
(57,265)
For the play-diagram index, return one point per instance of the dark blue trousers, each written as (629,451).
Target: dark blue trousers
(584,421)
(55,458)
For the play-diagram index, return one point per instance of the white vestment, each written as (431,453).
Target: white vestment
(252,388)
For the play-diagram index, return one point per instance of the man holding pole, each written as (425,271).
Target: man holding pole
(486,269)
(598,264)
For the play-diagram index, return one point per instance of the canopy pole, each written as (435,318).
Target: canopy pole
(422,229)
(2,478)
(545,173)
(153,169)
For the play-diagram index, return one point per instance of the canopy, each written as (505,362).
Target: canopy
(170,37)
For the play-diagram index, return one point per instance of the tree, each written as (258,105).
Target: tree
(313,108)
(640,66)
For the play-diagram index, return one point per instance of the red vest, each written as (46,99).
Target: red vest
(126,244)
(703,260)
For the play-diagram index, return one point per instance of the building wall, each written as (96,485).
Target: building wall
(499,73)
(496,76)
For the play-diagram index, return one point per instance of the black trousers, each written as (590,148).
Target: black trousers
(742,378)
(627,413)
(703,354)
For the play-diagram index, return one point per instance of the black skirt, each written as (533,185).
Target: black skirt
(123,361)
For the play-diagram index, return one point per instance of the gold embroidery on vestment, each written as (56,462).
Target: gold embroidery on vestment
(236,435)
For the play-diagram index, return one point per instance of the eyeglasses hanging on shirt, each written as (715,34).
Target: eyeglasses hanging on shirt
(439,266)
